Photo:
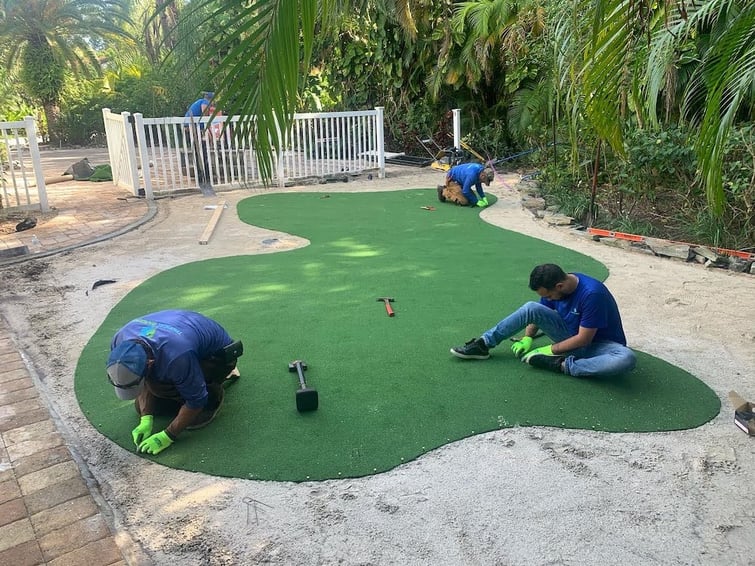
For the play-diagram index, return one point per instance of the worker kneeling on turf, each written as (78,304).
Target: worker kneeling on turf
(459,181)
(577,312)
(174,363)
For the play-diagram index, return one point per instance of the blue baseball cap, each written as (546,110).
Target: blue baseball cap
(126,368)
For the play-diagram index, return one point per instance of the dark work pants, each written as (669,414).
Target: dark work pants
(167,398)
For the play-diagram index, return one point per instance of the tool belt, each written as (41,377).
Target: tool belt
(231,352)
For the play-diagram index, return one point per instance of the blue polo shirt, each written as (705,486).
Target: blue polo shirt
(591,305)
(467,174)
(180,340)
(195,111)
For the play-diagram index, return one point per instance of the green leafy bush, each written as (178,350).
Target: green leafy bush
(653,191)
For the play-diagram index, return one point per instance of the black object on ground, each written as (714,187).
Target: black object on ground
(306,397)
(81,170)
(410,160)
(26,224)
(100,282)
(14,252)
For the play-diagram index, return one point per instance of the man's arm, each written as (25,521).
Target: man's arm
(183,419)
(583,338)
(466,187)
(531,330)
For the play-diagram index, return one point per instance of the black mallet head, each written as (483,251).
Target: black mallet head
(306,397)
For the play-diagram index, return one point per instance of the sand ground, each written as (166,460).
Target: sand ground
(523,496)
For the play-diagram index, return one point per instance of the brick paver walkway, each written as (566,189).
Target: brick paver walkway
(48,514)
(86,212)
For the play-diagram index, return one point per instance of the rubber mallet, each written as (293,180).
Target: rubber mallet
(306,397)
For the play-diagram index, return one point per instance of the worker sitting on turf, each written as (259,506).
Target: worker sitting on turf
(174,363)
(459,181)
(577,312)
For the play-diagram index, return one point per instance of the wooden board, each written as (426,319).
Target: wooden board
(207,234)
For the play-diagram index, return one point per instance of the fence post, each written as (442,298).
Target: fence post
(110,143)
(457,127)
(380,139)
(31,136)
(128,139)
(141,141)
(279,153)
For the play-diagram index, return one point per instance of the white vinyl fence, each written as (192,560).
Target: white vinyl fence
(165,155)
(22,184)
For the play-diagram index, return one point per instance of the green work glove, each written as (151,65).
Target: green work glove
(155,443)
(522,347)
(143,430)
(544,350)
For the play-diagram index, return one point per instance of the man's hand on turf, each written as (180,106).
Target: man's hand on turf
(155,443)
(144,430)
(522,346)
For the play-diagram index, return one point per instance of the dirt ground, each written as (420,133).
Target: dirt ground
(522,496)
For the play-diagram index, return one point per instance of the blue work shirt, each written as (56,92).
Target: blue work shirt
(467,174)
(591,305)
(196,111)
(179,340)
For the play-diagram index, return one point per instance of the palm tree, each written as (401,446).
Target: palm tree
(41,41)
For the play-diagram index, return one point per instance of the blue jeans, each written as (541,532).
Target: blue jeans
(598,358)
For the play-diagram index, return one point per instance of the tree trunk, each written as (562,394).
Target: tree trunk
(594,191)
(52,117)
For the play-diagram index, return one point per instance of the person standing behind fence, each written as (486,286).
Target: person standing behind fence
(200,107)
(197,110)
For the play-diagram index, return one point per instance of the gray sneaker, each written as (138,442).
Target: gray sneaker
(475,349)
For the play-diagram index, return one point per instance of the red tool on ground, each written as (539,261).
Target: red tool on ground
(387,301)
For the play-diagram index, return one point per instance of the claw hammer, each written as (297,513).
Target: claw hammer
(387,301)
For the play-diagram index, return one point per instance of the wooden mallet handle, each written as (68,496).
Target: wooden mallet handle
(388,307)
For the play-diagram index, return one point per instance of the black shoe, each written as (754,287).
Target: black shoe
(551,363)
(475,349)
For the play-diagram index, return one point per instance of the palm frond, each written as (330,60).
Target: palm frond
(258,75)
(729,71)
(530,106)
(607,58)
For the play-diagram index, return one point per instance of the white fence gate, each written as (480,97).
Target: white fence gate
(23,183)
(165,155)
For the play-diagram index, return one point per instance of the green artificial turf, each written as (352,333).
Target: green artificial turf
(389,389)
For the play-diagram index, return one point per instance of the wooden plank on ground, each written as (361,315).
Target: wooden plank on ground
(207,234)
